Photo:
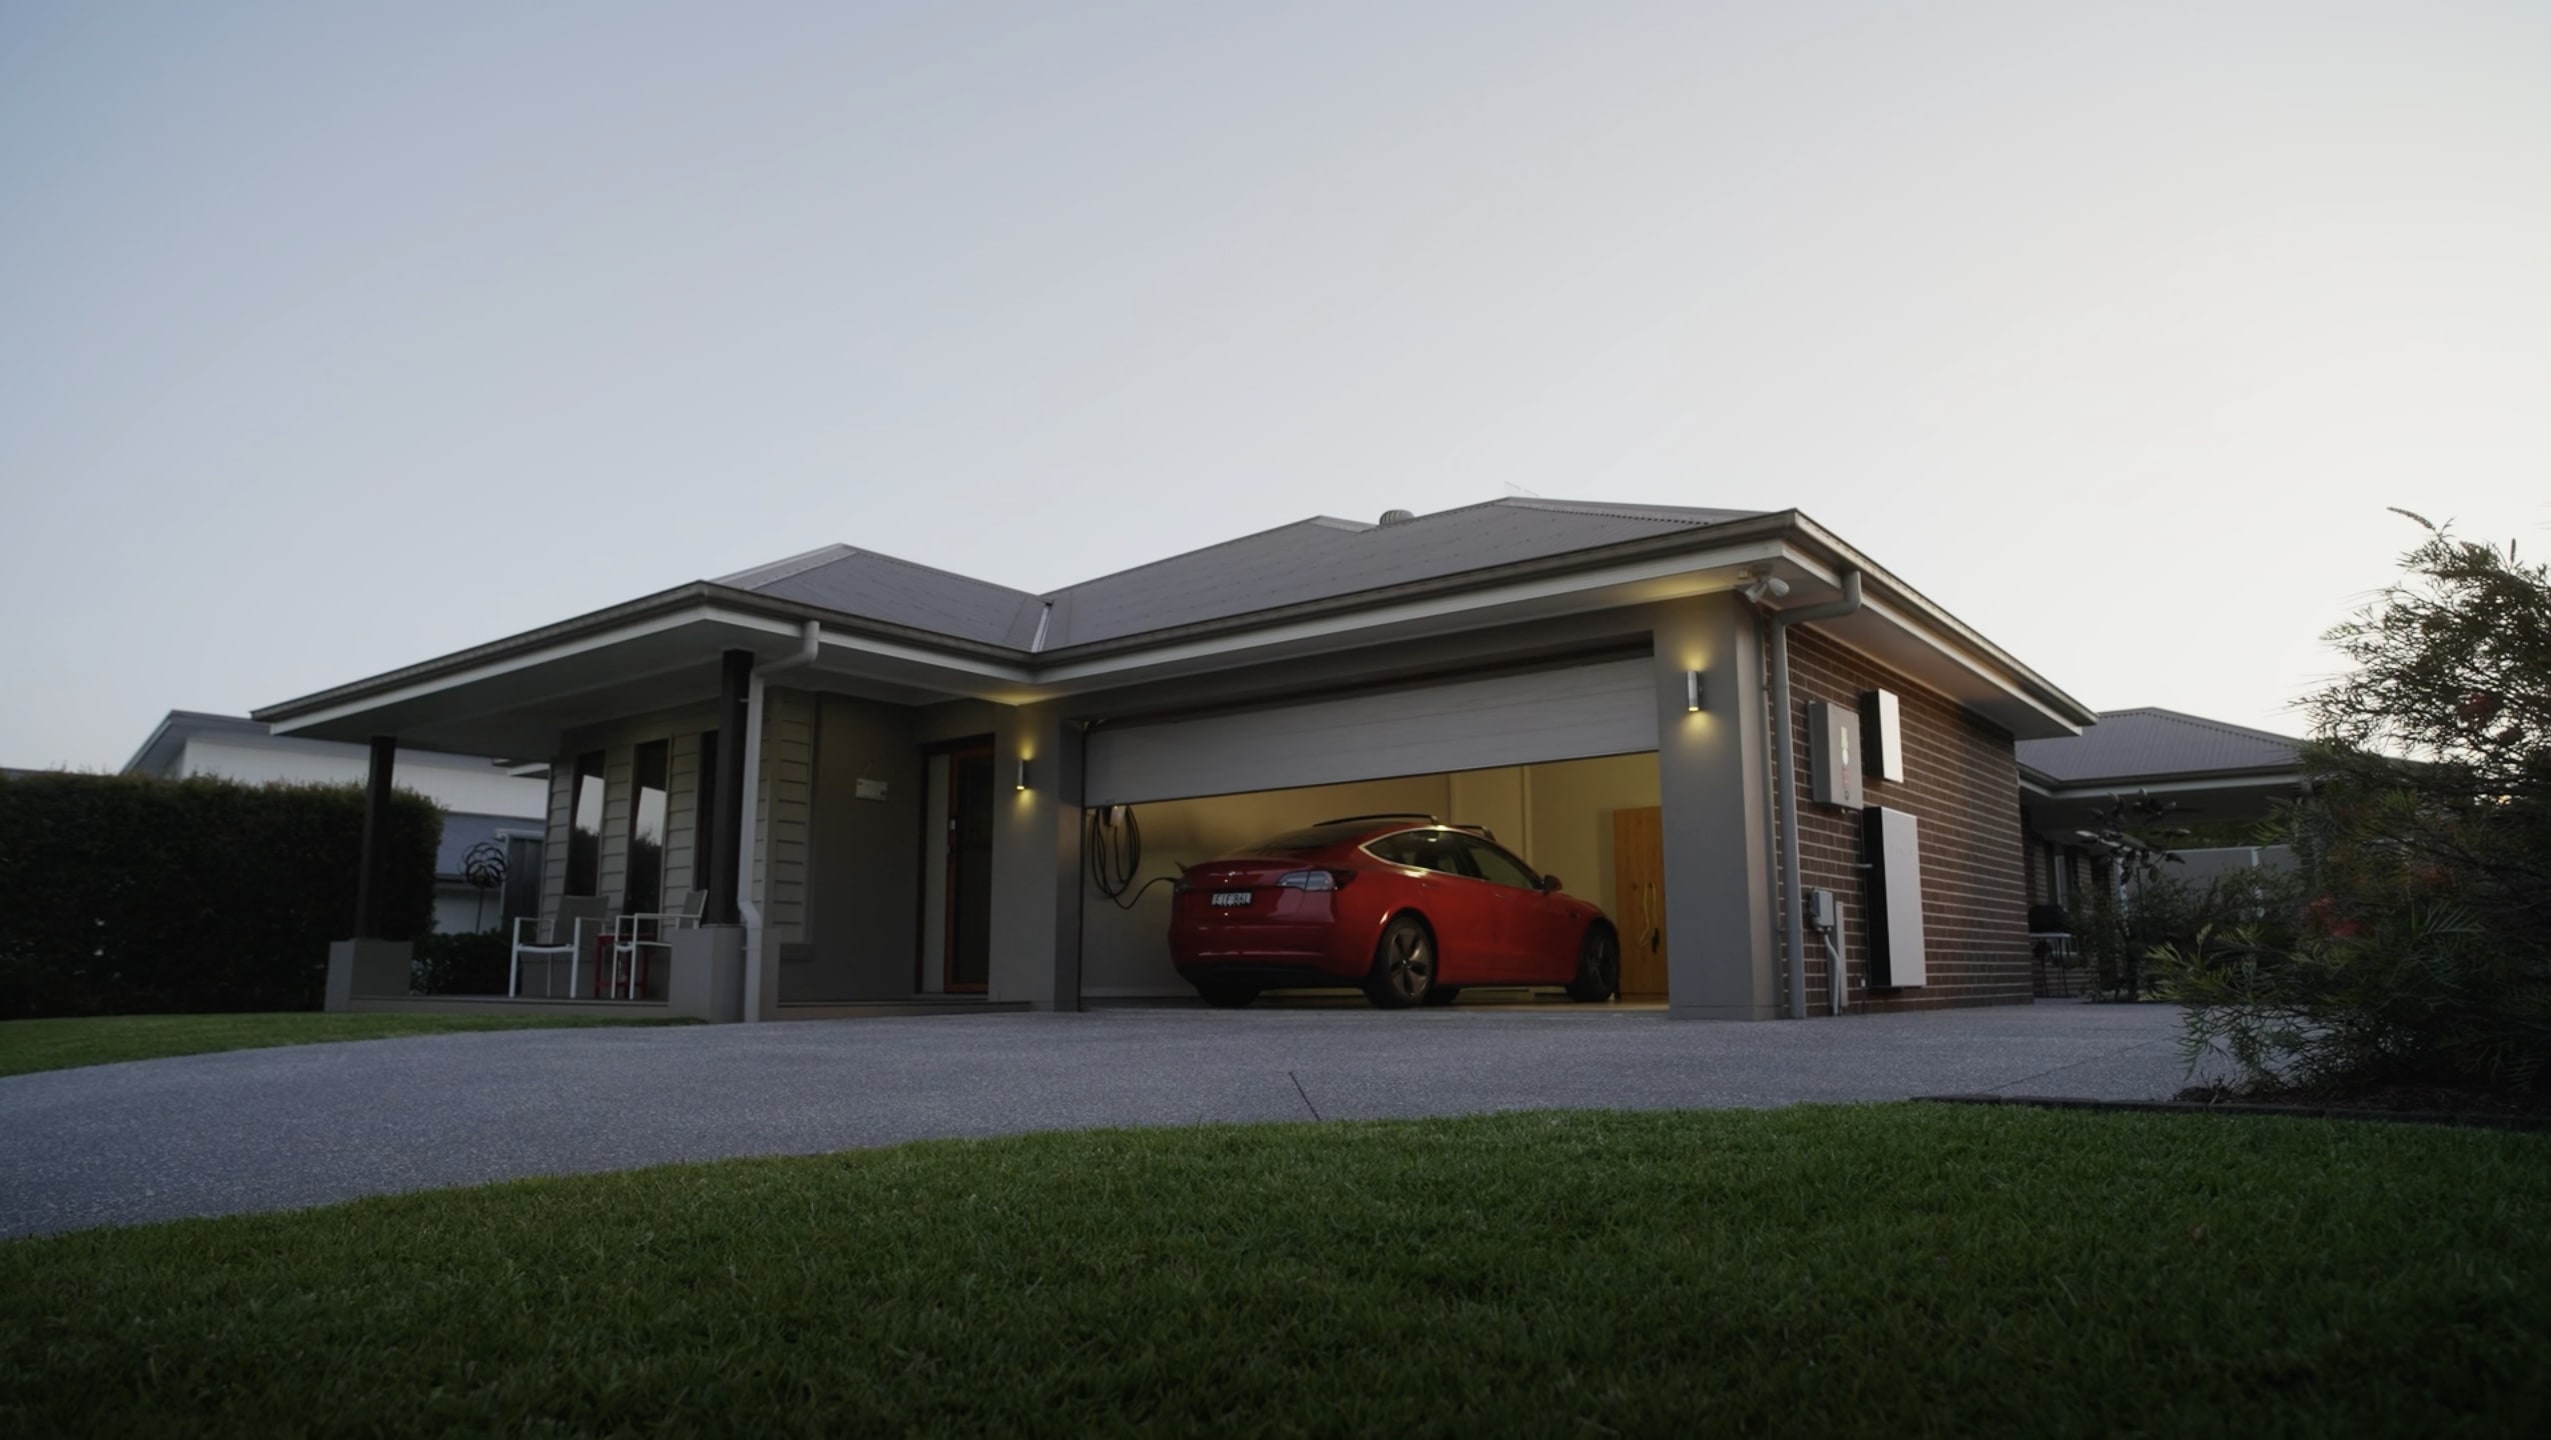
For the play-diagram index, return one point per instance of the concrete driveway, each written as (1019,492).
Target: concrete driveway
(278,1129)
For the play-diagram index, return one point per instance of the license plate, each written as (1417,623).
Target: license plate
(1231,897)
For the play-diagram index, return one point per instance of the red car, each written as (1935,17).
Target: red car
(1405,906)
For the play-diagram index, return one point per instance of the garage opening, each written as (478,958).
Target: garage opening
(1592,823)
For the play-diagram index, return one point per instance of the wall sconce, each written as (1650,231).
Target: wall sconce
(1692,691)
(1023,773)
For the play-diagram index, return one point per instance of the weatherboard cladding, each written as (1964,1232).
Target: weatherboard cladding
(2127,744)
(1323,558)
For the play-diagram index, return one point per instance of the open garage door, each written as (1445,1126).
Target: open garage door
(1523,718)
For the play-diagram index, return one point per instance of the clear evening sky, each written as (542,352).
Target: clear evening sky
(336,337)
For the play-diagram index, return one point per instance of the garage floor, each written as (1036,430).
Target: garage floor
(305,1125)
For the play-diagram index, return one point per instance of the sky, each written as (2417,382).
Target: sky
(334,338)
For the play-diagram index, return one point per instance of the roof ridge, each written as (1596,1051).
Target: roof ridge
(771,572)
(1620,510)
(2225,727)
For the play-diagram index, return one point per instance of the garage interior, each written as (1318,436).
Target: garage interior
(1591,822)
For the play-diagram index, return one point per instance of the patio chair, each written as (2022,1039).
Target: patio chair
(578,917)
(632,936)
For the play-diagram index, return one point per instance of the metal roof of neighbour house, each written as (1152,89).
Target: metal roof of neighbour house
(2150,743)
(1324,558)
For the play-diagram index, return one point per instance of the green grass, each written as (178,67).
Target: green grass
(30,1045)
(1880,1270)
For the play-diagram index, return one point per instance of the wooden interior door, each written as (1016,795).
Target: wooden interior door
(1638,900)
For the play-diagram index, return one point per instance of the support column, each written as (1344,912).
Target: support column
(368,890)
(726,825)
(1720,963)
(1036,861)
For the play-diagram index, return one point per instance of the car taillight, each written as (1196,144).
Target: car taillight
(1316,879)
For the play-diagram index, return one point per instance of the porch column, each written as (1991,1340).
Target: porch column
(1036,860)
(726,825)
(1714,779)
(376,818)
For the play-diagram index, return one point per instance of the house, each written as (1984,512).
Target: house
(905,788)
(482,803)
(2218,781)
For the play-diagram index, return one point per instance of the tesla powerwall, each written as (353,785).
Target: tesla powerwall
(1892,846)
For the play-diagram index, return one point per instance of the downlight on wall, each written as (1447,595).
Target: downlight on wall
(1695,690)
(1022,772)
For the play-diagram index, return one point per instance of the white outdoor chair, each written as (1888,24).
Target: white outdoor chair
(579,916)
(634,935)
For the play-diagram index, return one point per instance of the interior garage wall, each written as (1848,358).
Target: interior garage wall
(1570,828)
(1125,953)
(1961,773)
(863,856)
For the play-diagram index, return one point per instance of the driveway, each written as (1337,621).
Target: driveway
(305,1125)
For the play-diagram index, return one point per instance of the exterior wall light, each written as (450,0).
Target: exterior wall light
(1693,691)
(1023,774)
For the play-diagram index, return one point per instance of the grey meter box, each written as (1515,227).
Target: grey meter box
(1881,736)
(1833,755)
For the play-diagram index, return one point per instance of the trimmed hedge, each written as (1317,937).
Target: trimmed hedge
(122,894)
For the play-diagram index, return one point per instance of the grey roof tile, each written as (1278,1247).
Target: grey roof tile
(897,592)
(1322,558)
(2149,742)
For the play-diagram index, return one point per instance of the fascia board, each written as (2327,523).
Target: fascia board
(524,660)
(2165,785)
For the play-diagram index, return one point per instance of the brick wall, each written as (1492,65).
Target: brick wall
(1962,785)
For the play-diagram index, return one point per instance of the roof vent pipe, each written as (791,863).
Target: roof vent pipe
(1793,922)
(1398,517)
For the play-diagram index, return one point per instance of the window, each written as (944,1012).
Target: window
(643,893)
(1426,849)
(584,827)
(1496,866)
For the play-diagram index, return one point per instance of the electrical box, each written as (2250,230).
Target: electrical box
(1891,844)
(1833,755)
(1822,913)
(1881,736)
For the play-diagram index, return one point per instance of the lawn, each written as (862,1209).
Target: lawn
(30,1045)
(1877,1270)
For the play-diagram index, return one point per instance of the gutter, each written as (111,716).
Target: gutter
(757,972)
(1785,788)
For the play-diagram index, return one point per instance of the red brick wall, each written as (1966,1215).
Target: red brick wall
(1962,785)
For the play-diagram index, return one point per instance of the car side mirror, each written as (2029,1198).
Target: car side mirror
(1549,884)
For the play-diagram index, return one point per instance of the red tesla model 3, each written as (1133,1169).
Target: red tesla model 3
(1405,906)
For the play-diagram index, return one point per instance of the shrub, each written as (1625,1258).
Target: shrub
(126,894)
(470,963)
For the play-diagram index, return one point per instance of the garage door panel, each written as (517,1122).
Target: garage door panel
(1564,714)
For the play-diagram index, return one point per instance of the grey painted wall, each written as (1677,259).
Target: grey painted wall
(863,864)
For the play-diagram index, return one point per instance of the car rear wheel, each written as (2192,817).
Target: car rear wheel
(1598,966)
(1403,965)
(1227,997)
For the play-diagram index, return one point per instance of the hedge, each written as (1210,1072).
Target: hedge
(123,894)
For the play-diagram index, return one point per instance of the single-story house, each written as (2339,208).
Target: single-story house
(903,787)
(2217,779)
(482,802)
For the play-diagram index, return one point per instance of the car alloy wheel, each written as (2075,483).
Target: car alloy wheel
(1403,965)
(1598,966)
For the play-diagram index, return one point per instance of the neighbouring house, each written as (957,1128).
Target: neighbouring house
(902,788)
(483,803)
(2218,781)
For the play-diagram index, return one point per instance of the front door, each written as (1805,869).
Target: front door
(1638,900)
(969,869)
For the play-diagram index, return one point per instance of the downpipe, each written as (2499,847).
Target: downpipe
(1785,785)
(810,642)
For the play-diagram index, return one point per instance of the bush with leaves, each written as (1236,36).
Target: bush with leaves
(2424,955)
